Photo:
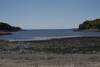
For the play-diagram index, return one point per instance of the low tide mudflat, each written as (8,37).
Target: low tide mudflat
(67,52)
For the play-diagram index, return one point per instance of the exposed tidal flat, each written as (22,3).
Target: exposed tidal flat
(63,52)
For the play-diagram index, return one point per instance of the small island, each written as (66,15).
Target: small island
(90,25)
(6,29)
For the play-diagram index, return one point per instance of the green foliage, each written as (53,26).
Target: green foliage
(7,27)
(93,24)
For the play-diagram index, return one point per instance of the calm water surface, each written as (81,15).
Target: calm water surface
(47,34)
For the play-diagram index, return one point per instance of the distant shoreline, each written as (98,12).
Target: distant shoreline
(5,33)
(88,30)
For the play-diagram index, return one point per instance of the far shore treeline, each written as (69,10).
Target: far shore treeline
(93,25)
(89,25)
(8,28)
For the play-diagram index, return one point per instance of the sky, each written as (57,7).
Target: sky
(48,14)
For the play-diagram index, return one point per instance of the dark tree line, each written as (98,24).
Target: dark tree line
(7,27)
(92,24)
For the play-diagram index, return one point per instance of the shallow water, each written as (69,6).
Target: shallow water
(48,34)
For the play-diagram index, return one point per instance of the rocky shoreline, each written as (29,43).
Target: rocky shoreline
(64,45)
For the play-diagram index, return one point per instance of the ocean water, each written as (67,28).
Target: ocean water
(45,34)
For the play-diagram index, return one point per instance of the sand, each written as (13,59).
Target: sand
(49,60)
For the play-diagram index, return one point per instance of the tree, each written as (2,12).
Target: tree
(7,27)
(93,24)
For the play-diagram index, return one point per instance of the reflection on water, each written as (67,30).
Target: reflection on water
(47,34)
